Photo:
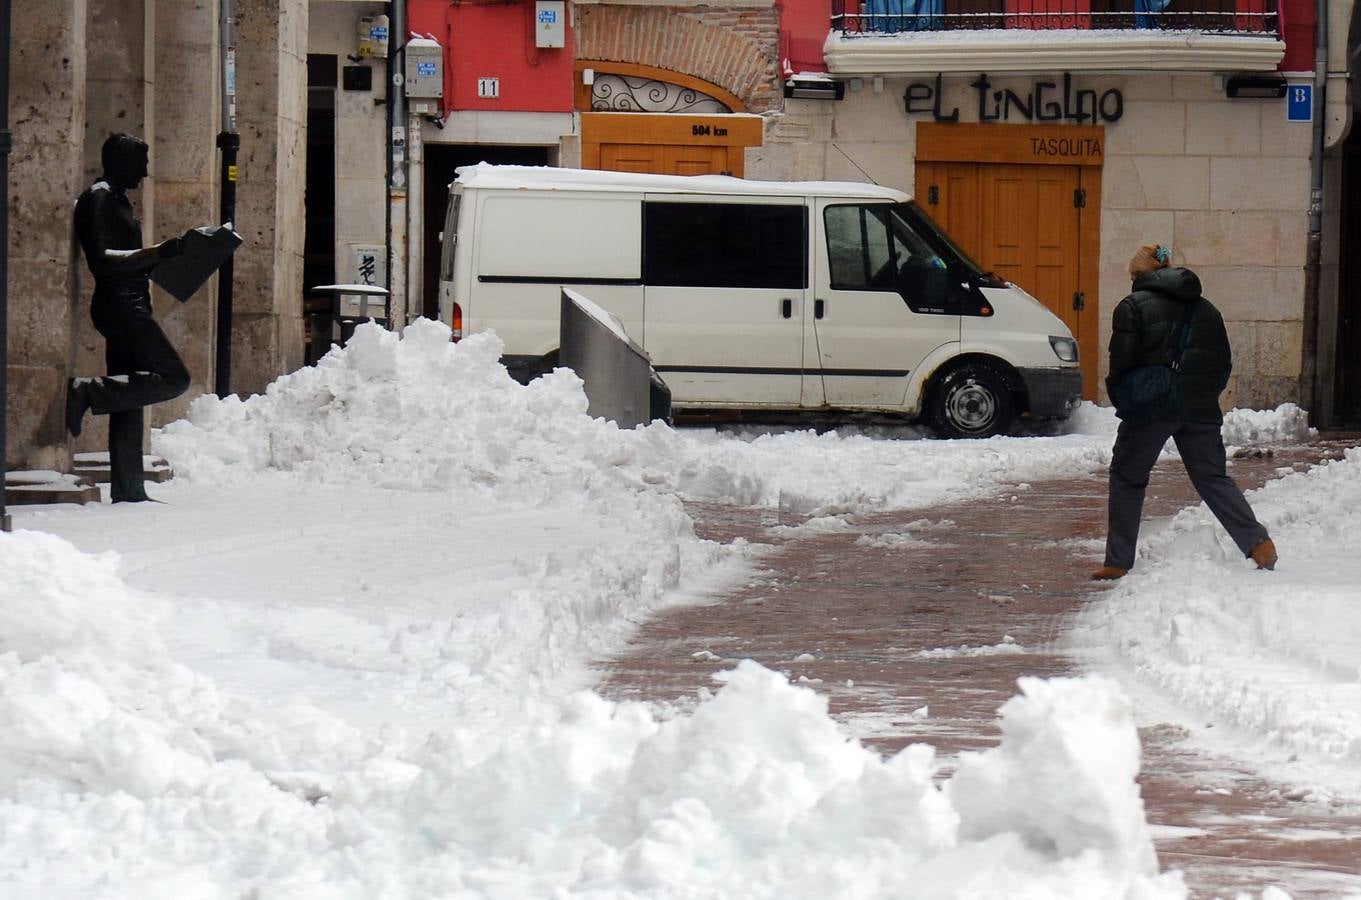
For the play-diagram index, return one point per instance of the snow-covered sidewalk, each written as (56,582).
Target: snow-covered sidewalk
(348,658)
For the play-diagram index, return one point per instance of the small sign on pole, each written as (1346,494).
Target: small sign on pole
(1299,103)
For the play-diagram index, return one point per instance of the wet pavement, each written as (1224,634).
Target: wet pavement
(926,646)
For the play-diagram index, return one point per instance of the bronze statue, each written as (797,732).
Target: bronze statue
(143,366)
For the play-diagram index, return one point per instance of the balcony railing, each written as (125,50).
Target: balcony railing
(877,17)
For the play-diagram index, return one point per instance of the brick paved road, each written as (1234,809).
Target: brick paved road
(866,608)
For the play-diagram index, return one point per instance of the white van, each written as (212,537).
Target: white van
(752,295)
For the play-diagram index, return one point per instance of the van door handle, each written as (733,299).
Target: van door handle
(819,308)
(787,308)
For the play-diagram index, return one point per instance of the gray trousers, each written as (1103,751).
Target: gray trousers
(1202,452)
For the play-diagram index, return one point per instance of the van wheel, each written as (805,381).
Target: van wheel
(971,401)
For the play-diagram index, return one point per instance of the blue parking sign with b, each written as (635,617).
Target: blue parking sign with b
(1299,103)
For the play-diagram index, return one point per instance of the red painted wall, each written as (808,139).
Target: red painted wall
(803,29)
(1297,30)
(495,41)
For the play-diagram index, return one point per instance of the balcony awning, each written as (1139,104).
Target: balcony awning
(1042,50)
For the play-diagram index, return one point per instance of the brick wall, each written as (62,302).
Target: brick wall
(734,49)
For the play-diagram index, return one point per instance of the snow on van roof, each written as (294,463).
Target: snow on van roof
(485,175)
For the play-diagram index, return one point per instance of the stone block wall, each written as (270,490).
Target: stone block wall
(1224,183)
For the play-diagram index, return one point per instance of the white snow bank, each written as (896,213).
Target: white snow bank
(1276,655)
(126,775)
(1286,423)
(416,411)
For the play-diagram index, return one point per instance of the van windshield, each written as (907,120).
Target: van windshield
(943,244)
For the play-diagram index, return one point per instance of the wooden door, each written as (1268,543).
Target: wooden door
(693,160)
(1029,226)
(629,157)
(664,159)
(1022,222)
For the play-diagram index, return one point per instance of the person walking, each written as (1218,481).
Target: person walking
(143,365)
(1165,322)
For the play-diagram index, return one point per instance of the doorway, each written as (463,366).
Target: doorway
(441,163)
(1346,412)
(1034,220)
(319,250)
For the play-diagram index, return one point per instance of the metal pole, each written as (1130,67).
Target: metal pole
(1313,264)
(4,251)
(229,142)
(397,187)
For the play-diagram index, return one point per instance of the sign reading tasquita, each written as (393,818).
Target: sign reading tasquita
(1046,101)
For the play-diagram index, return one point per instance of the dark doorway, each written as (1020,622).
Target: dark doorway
(440,162)
(1347,375)
(319,241)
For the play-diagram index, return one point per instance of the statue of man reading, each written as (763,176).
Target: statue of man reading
(143,366)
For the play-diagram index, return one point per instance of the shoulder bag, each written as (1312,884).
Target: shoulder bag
(1148,393)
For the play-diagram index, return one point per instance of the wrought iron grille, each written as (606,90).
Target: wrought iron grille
(625,93)
(868,17)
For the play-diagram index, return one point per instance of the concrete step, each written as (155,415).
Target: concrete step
(42,486)
(95,466)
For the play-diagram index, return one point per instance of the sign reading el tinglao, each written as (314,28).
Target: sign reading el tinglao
(1046,101)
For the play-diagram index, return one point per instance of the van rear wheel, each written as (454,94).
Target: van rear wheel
(971,401)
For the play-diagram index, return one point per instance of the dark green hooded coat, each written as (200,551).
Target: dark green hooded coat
(1144,332)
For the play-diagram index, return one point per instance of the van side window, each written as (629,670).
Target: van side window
(448,237)
(870,248)
(736,245)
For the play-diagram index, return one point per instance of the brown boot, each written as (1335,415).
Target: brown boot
(1109,573)
(1264,554)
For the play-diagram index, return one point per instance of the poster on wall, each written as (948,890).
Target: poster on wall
(368,265)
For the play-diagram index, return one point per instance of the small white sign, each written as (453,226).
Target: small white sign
(489,87)
(368,265)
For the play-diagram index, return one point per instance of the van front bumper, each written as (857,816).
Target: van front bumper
(1053,393)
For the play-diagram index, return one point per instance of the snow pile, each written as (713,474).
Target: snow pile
(418,412)
(1285,424)
(1276,654)
(412,411)
(127,775)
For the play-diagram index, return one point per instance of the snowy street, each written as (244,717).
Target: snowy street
(917,624)
(364,647)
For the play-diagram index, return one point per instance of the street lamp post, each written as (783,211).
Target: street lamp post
(229,142)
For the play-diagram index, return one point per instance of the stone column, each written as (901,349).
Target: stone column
(47,111)
(118,94)
(267,326)
(187,102)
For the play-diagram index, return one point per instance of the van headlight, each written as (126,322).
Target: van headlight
(1065,348)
